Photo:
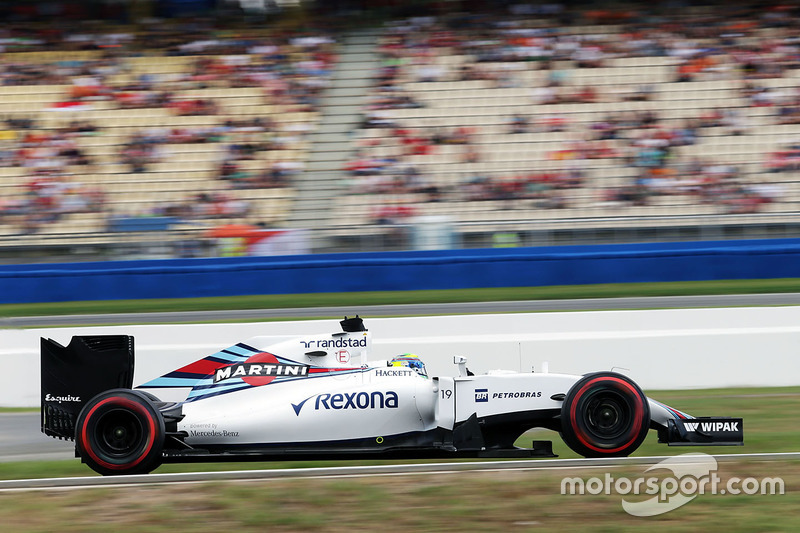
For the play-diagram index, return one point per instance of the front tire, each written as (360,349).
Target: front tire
(120,431)
(605,414)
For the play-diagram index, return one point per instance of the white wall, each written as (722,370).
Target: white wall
(660,349)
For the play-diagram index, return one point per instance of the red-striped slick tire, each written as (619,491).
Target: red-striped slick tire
(605,414)
(120,432)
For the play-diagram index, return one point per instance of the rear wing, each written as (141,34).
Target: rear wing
(74,374)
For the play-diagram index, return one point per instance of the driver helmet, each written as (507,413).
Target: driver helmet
(410,360)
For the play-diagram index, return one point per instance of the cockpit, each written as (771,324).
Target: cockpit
(410,360)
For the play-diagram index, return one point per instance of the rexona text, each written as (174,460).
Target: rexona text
(361,400)
(351,400)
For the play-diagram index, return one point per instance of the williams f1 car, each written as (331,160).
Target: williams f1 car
(318,396)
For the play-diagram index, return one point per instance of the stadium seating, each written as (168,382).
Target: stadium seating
(497,178)
(488,105)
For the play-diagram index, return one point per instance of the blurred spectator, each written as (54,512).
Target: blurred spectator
(519,124)
(142,149)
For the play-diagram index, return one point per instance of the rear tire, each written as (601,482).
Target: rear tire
(120,432)
(605,414)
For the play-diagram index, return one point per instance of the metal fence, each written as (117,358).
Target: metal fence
(600,230)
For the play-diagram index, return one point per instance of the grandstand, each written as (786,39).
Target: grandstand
(553,133)
(162,129)
(746,196)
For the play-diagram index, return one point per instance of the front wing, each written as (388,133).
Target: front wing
(708,431)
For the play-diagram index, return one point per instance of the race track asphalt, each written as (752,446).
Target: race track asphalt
(584,304)
(21,439)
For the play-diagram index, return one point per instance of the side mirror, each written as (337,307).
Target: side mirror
(462,365)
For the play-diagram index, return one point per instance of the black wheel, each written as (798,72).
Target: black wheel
(605,414)
(120,432)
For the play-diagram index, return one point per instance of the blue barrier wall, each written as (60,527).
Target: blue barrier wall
(388,271)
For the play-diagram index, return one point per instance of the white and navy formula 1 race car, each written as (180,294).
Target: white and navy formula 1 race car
(318,396)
